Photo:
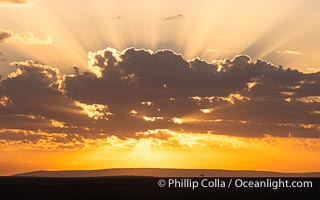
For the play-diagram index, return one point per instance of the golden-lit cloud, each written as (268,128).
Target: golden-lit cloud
(5,101)
(133,112)
(152,119)
(213,50)
(177,120)
(16,140)
(309,99)
(313,70)
(95,111)
(206,110)
(235,97)
(29,38)
(58,124)
(96,59)
(148,103)
(290,52)
(250,85)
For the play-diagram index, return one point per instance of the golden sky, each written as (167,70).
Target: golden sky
(64,32)
(89,84)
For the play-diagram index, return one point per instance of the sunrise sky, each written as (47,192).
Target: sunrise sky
(214,84)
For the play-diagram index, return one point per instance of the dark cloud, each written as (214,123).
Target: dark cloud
(5,36)
(32,98)
(139,90)
(76,69)
(172,17)
(236,90)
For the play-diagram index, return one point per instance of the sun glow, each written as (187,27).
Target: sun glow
(160,147)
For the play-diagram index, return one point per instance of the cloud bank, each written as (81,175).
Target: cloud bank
(136,90)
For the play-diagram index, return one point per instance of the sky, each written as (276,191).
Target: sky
(211,84)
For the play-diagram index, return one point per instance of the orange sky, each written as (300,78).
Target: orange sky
(83,84)
(191,151)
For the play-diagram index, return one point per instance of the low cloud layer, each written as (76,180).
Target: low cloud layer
(132,91)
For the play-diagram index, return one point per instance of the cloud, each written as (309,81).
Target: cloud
(213,50)
(172,17)
(13,140)
(32,97)
(136,90)
(241,91)
(313,69)
(117,17)
(29,38)
(290,52)
(5,36)
(36,140)
(15,2)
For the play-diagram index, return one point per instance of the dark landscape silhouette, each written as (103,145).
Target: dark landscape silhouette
(158,172)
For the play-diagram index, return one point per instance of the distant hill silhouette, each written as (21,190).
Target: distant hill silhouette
(159,172)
